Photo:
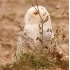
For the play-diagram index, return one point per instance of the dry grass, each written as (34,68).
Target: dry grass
(11,19)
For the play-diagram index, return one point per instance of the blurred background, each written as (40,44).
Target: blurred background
(12,14)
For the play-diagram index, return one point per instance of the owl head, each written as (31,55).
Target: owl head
(37,15)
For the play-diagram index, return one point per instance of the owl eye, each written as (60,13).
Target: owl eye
(36,13)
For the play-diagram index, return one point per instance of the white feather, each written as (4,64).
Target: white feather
(32,30)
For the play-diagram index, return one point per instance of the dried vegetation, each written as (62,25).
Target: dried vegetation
(11,22)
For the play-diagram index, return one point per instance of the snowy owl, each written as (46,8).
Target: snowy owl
(30,39)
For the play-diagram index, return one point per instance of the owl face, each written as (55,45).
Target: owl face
(36,15)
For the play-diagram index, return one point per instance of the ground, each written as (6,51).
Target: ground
(12,14)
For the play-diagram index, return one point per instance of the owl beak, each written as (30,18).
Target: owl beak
(46,19)
(43,21)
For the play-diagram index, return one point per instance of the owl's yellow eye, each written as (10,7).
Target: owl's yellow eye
(36,13)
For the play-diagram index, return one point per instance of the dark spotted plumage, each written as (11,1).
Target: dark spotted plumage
(30,39)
